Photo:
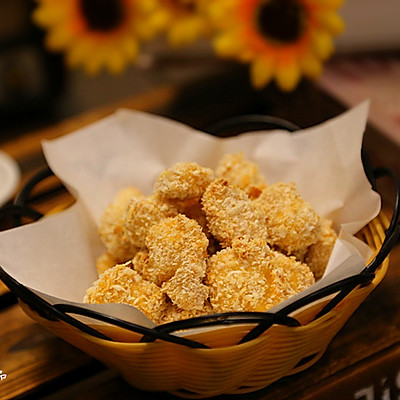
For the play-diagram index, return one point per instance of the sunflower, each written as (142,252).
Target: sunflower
(186,20)
(97,34)
(280,39)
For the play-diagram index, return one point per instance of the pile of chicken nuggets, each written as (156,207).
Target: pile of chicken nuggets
(209,241)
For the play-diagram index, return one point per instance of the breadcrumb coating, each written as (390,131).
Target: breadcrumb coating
(122,284)
(249,276)
(142,265)
(293,276)
(230,213)
(199,245)
(174,243)
(254,191)
(140,215)
(239,171)
(193,209)
(104,262)
(291,222)
(185,288)
(110,227)
(183,181)
(240,278)
(318,254)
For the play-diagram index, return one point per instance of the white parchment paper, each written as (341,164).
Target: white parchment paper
(56,256)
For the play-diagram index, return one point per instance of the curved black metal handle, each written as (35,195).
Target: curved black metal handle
(250,122)
(42,307)
(22,197)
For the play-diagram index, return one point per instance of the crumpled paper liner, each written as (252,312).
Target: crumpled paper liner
(56,255)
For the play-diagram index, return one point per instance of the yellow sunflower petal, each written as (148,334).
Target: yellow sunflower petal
(76,54)
(185,31)
(158,20)
(287,76)
(58,38)
(147,6)
(240,35)
(322,44)
(145,30)
(131,48)
(50,14)
(311,65)
(94,49)
(331,21)
(221,14)
(227,44)
(116,62)
(261,72)
(92,65)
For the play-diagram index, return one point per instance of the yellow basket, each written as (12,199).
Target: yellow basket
(226,367)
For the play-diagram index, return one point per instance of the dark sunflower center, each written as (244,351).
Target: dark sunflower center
(281,20)
(102,15)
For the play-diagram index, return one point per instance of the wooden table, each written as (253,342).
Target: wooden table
(362,362)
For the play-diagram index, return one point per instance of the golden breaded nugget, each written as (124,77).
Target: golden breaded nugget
(240,279)
(176,242)
(318,254)
(183,181)
(293,276)
(239,171)
(291,222)
(230,213)
(251,277)
(104,262)
(200,245)
(110,228)
(140,215)
(254,191)
(122,284)
(142,265)
(185,288)
(193,209)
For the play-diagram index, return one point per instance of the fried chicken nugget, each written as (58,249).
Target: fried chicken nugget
(318,254)
(178,246)
(104,262)
(142,265)
(230,213)
(185,288)
(110,227)
(291,222)
(239,277)
(121,284)
(239,171)
(290,274)
(249,276)
(193,209)
(254,191)
(141,214)
(183,181)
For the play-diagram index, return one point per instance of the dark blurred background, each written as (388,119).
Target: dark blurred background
(37,90)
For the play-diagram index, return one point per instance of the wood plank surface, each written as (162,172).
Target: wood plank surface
(24,146)
(32,356)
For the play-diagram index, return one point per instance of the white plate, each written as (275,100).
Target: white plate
(10,175)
